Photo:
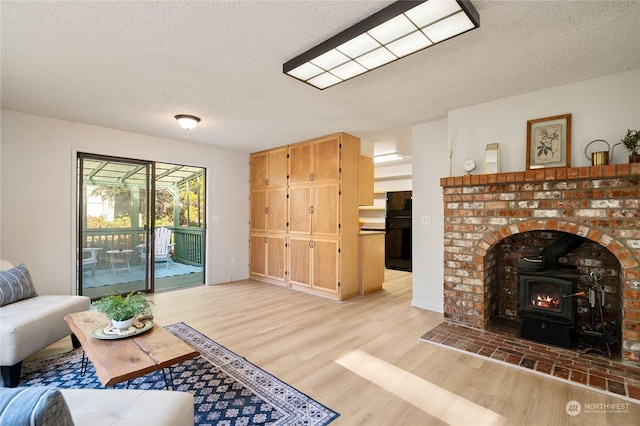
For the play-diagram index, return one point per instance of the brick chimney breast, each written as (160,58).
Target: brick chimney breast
(484,216)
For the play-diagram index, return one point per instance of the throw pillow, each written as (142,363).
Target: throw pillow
(16,284)
(38,405)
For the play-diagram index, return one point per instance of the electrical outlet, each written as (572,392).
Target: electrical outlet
(233,261)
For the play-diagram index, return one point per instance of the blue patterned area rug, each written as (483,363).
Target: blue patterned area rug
(228,389)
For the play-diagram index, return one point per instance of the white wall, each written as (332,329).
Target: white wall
(602,108)
(429,164)
(37,214)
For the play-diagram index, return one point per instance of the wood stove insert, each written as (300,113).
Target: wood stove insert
(547,306)
(546,294)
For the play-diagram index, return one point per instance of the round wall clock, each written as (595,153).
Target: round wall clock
(468,166)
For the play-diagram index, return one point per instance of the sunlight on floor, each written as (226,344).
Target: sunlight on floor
(430,398)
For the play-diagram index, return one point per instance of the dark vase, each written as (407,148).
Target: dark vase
(634,158)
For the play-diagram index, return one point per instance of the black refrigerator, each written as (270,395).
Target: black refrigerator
(398,231)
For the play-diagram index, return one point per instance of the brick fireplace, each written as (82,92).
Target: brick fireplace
(491,220)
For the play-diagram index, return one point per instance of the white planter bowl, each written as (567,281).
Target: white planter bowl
(122,324)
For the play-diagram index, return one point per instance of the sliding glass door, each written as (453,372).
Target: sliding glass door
(141,225)
(114,220)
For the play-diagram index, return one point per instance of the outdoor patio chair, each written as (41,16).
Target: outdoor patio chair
(162,247)
(90,259)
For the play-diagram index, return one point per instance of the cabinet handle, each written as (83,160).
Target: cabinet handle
(266,210)
(310,209)
(266,240)
(266,182)
(312,244)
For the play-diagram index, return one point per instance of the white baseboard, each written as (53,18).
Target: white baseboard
(427,306)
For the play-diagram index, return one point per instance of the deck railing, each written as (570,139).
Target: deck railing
(188,249)
(189,246)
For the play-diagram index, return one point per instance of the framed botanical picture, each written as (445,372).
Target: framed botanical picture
(549,142)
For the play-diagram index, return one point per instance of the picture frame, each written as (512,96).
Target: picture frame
(549,142)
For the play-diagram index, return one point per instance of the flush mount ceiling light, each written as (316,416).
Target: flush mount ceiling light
(396,31)
(187,122)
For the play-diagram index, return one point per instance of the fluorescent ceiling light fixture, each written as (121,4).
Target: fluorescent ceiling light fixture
(402,28)
(386,158)
(187,122)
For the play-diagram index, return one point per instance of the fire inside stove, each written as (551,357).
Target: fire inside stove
(543,301)
(546,295)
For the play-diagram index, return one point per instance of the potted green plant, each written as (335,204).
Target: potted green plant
(632,142)
(122,310)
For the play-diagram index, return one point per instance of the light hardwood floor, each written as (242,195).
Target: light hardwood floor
(362,358)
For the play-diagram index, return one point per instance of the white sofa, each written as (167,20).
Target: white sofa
(30,325)
(48,406)
(95,407)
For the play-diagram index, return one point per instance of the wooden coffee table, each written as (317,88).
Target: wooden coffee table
(120,360)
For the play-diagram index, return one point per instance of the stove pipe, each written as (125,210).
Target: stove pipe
(548,257)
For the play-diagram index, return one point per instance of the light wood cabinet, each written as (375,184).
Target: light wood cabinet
(371,261)
(315,209)
(268,256)
(315,264)
(320,235)
(269,210)
(268,215)
(315,161)
(269,168)
(258,170)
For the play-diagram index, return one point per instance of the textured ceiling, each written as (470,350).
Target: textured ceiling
(134,65)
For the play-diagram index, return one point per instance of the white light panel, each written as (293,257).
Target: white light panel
(348,70)
(393,29)
(329,60)
(432,11)
(358,46)
(376,58)
(305,71)
(409,44)
(428,23)
(448,27)
(324,80)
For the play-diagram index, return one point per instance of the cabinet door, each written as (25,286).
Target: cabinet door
(325,208)
(325,258)
(277,166)
(300,163)
(300,261)
(276,257)
(258,170)
(276,210)
(258,210)
(326,159)
(257,255)
(300,209)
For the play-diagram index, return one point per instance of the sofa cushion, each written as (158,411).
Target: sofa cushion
(42,406)
(33,324)
(130,407)
(15,285)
